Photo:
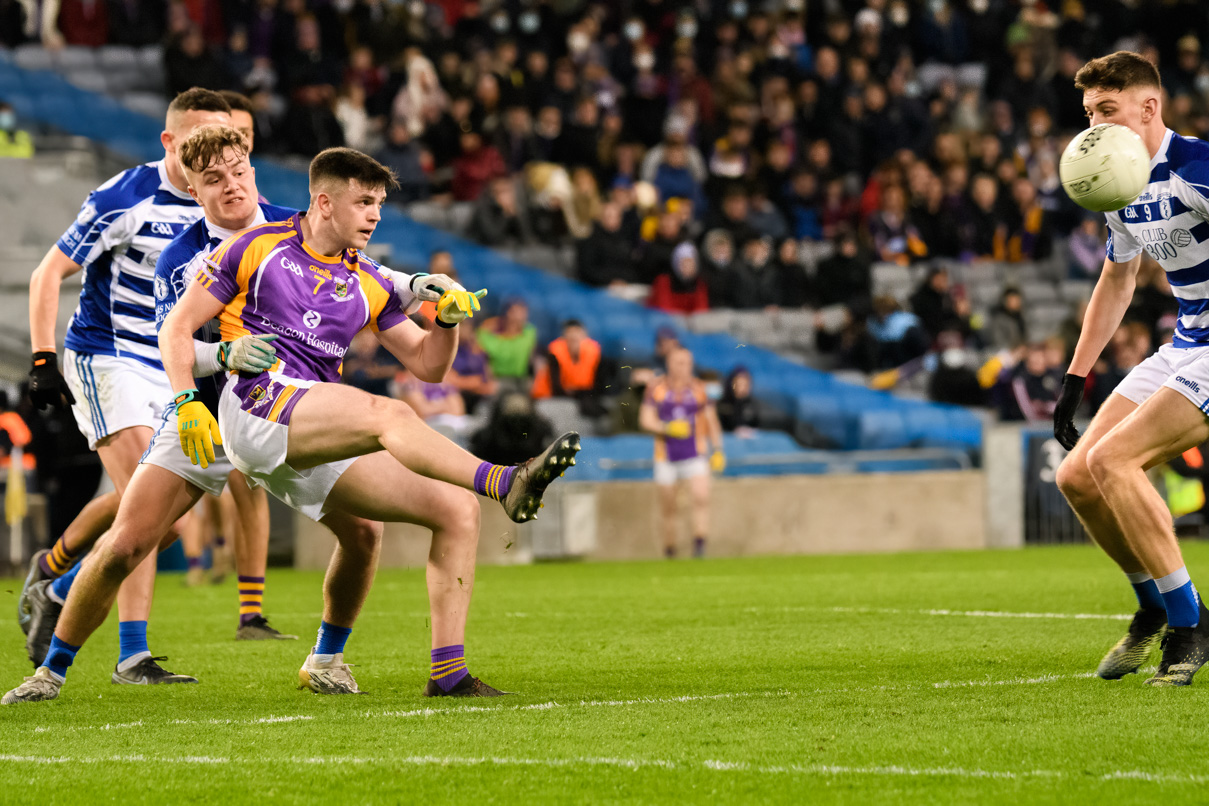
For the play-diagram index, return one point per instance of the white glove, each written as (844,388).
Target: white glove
(249,353)
(410,298)
(430,287)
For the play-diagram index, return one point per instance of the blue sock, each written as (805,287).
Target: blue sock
(1179,595)
(331,639)
(132,639)
(62,585)
(1147,592)
(60,655)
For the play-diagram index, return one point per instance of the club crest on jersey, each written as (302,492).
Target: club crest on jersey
(341,293)
(161,288)
(87,213)
(259,396)
(1165,208)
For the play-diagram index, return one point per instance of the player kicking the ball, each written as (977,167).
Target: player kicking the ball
(1159,410)
(330,451)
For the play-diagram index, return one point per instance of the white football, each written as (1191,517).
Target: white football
(1105,167)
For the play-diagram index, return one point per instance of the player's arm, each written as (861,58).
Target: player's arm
(195,308)
(427,351)
(1109,301)
(47,386)
(713,427)
(196,424)
(648,420)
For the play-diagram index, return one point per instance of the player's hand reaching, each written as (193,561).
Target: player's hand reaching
(198,429)
(1064,413)
(47,386)
(678,429)
(454,306)
(430,287)
(248,353)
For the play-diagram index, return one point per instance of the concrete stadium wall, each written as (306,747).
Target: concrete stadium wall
(751,516)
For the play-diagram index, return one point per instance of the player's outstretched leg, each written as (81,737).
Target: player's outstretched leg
(1079,487)
(349,577)
(369,423)
(49,564)
(1166,425)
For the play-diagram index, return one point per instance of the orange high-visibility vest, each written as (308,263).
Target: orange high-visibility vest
(574,375)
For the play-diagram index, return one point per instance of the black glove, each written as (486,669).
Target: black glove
(1064,413)
(47,386)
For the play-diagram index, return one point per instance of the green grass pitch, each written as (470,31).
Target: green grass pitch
(807,679)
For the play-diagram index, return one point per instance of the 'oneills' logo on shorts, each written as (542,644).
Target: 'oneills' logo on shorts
(1193,385)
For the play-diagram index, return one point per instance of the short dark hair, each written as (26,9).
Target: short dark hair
(1117,71)
(237,101)
(198,99)
(570,323)
(350,165)
(207,144)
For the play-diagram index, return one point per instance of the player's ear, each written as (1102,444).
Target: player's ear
(166,140)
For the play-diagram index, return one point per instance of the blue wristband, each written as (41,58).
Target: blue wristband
(181,398)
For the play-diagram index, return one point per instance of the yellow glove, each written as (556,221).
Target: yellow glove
(455,305)
(717,461)
(679,429)
(198,429)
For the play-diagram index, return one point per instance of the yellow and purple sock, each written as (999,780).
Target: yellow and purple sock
(331,639)
(449,665)
(251,598)
(493,481)
(58,561)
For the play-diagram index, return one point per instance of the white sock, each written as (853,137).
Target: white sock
(1175,579)
(54,597)
(132,661)
(1138,577)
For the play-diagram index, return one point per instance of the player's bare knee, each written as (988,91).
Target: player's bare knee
(465,513)
(1105,463)
(361,537)
(1074,480)
(123,553)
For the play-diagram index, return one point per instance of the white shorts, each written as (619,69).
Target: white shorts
(165,451)
(1184,369)
(257,447)
(667,473)
(114,393)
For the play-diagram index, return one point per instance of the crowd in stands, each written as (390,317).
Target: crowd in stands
(698,153)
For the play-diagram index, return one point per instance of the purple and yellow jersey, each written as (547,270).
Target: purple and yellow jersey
(687,404)
(274,284)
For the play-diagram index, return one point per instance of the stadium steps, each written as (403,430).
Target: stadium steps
(625,329)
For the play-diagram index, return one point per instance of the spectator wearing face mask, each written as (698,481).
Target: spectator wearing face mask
(680,289)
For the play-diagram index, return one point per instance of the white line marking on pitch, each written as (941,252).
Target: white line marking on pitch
(546,706)
(624,763)
(894,611)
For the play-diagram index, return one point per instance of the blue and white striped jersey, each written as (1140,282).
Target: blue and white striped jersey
(117,238)
(1170,221)
(178,265)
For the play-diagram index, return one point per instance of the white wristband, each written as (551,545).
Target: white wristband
(205,359)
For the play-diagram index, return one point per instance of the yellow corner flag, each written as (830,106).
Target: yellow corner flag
(16,504)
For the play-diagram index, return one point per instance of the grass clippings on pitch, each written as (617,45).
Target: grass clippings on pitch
(946,678)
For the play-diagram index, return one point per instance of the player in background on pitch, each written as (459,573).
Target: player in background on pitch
(112,371)
(316,444)
(1158,411)
(684,421)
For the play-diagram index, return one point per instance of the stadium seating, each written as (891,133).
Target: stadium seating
(829,413)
